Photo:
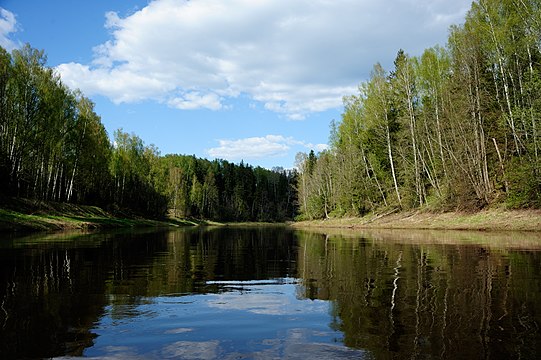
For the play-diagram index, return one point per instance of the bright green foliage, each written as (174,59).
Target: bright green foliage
(52,144)
(457,127)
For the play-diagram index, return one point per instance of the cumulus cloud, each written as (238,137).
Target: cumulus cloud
(294,57)
(259,147)
(195,100)
(8,25)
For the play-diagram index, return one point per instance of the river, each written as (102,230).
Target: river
(271,293)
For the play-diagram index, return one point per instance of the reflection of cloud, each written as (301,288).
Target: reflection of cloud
(316,351)
(277,281)
(178,331)
(298,344)
(193,350)
(114,353)
(278,299)
(268,300)
(254,303)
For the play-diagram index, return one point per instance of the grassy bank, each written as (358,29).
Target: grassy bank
(19,215)
(27,215)
(493,220)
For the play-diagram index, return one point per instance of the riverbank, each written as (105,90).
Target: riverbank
(22,215)
(19,215)
(486,220)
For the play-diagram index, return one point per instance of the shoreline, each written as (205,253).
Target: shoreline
(16,222)
(484,220)
(28,216)
(24,216)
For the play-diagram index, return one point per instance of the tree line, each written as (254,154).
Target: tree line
(455,128)
(222,190)
(53,147)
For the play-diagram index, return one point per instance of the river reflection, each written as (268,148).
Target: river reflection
(271,292)
(429,295)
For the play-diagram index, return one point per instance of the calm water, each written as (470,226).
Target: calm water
(271,293)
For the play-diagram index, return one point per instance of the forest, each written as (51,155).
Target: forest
(54,147)
(456,128)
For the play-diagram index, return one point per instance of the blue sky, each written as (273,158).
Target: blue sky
(252,80)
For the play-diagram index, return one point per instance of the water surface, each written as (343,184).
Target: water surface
(269,293)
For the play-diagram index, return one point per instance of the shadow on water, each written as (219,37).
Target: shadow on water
(271,292)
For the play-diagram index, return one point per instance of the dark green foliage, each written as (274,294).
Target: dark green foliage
(53,147)
(220,190)
(524,185)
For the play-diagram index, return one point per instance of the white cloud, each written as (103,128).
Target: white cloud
(318,147)
(8,25)
(295,57)
(259,147)
(195,100)
(250,148)
(118,83)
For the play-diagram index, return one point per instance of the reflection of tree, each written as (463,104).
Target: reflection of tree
(412,298)
(49,301)
(53,292)
(188,259)
(439,300)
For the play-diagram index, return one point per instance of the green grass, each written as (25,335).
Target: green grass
(12,220)
(15,221)
(28,215)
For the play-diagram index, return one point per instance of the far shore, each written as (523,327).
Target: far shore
(23,215)
(485,220)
